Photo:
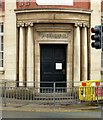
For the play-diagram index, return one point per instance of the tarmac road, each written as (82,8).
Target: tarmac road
(77,114)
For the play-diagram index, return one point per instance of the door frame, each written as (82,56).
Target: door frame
(67,29)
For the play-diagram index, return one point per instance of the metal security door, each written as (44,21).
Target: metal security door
(52,65)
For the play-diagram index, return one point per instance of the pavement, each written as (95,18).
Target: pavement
(48,108)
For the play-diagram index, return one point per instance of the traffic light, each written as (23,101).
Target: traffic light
(96,37)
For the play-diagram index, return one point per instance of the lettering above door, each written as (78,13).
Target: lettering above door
(53,35)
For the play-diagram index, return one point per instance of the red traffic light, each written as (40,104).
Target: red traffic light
(92,30)
(96,30)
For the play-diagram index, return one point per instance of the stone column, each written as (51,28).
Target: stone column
(76,76)
(30,60)
(21,56)
(84,53)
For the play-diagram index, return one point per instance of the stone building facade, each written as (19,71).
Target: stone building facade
(50,43)
(2,20)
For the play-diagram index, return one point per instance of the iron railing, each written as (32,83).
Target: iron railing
(49,93)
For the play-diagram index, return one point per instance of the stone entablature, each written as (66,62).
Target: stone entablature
(25,18)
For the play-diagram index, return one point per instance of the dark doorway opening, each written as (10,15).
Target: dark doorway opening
(53,67)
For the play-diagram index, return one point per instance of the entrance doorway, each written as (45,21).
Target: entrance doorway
(53,66)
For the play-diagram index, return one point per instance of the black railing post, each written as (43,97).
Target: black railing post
(5,93)
(54,93)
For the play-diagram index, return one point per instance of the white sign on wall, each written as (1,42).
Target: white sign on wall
(55,2)
(58,66)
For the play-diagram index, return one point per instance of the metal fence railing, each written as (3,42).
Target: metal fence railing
(47,93)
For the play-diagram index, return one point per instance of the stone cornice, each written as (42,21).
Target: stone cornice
(53,10)
(53,17)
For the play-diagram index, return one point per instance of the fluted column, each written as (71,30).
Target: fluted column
(21,56)
(30,66)
(84,53)
(76,76)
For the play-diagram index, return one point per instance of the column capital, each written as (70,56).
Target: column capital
(85,25)
(88,26)
(28,24)
(78,24)
(31,24)
(20,24)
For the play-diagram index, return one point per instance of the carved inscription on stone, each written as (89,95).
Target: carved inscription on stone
(53,35)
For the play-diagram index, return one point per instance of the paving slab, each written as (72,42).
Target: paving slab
(48,108)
